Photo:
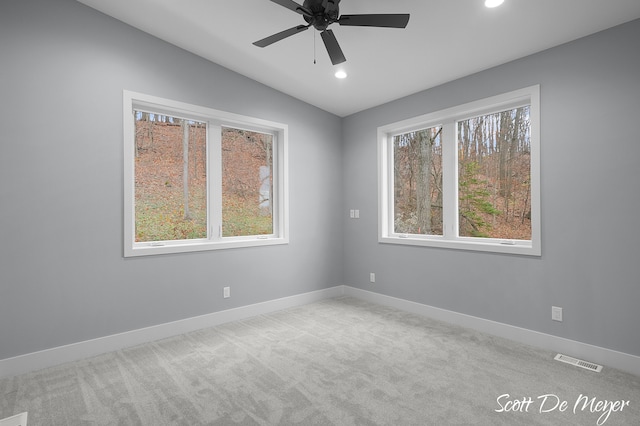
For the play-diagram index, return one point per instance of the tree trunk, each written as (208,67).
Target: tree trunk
(423,190)
(185,167)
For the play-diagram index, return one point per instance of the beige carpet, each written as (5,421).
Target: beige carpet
(337,362)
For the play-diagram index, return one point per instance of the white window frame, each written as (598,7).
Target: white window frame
(448,118)
(215,119)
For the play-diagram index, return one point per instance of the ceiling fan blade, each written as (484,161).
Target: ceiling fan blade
(292,5)
(331,43)
(398,20)
(281,35)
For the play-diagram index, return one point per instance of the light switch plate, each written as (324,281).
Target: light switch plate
(556,313)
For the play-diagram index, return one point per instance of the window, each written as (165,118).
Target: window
(200,179)
(466,177)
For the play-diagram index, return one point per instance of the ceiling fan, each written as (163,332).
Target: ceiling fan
(322,13)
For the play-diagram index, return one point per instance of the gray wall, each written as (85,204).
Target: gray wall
(590,264)
(63,278)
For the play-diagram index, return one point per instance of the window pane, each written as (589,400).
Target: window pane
(170,178)
(494,175)
(247,183)
(417,160)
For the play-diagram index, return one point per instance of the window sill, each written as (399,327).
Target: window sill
(156,248)
(506,246)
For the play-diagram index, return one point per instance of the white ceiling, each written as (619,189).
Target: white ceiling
(445,40)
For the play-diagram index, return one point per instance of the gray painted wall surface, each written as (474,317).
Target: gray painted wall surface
(62,275)
(63,278)
(590,264)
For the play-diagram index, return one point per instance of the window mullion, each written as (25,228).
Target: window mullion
(449,181)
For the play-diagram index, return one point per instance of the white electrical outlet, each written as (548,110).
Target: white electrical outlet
(226,292)
(556,313)
(372,277)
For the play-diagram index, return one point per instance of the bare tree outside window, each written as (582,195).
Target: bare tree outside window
(247,183)
(494,175)
(418,182)
(170,178)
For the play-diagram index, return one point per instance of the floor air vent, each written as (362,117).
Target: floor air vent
(578,362)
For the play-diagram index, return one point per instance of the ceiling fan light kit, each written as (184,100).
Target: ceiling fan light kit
(322,13)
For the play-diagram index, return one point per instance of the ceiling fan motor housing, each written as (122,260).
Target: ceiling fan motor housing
(324,13)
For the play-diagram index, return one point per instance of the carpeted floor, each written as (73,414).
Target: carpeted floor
(337,362)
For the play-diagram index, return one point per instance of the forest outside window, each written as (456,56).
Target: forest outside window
(201,179)
(464,178)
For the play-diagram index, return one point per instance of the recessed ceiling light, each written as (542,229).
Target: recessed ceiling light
(493,3)
(340,74)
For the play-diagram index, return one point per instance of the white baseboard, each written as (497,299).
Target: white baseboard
(17,420)
(607,357)
(73,352)
(59,355)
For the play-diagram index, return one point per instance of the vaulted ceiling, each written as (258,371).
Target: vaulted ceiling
(444,40)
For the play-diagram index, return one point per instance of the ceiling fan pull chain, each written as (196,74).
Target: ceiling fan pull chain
(314,48)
